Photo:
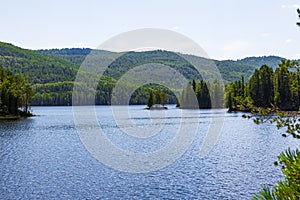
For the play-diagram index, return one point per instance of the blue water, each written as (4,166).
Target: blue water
(43,158)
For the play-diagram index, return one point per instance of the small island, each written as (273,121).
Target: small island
(15,96)
(157,100)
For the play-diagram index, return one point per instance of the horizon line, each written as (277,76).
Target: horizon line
(93,48)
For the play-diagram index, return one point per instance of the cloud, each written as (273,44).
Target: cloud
(296,5)
(291,6)
(287,41)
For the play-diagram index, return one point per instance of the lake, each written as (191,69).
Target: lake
(43,157)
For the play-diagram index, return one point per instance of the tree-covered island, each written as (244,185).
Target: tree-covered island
(15,95)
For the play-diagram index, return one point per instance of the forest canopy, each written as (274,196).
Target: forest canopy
(15,94)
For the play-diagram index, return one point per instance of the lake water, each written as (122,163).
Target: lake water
(43,157)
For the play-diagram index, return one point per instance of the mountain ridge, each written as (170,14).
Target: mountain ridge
(52,71)
(73,57)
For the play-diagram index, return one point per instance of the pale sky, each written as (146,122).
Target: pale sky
(229,29)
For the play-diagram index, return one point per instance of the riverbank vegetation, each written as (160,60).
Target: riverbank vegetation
(270,89)
(289,160)
(15,95)
(52,73)
(267,88)
(157,99)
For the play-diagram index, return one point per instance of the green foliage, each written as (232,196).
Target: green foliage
(229,101)
(237,95)
(278,90)
(289,188)
(52,73)
(157,97)
(273,94)
(38,67)
(289,161)
(132,59)
(265,194)
(261,88)
(15,93)
(150,102)
(230,70)
(202,95)
(287,89)
(289,120)
(165,98)
(271,61)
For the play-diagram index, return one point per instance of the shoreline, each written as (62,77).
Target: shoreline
(16,117)
(10,117)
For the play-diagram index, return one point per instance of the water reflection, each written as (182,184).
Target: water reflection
(43,157)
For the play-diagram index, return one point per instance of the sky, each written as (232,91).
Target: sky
(229,29)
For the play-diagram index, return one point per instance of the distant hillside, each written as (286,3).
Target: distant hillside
(52,72)
(40,68)
(270,61)
(66,51)
(230,70)
(76,55)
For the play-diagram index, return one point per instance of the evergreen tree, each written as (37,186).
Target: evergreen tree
(150,102)
(15,93)
(194,85)
(218,95)
(261,87)
(203,95)
(283,86)
(158,97)
(229,102)
(188,98)
(164,98)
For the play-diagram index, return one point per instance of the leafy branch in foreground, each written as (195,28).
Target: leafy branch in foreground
(283,119)
(289,160)
(289,188)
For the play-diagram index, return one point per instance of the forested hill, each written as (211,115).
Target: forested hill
(270,61)
(76,55)
(231,70)
(52,72)
(56,65)
(40,68)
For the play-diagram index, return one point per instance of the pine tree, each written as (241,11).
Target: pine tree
(150,99)
(164,98)
(158,97)
(229,102)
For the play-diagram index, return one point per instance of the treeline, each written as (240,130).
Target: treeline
(60,94)
(202,95)
(267,88)
(157,97)
(15,94)
(52,74)
(40,68)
